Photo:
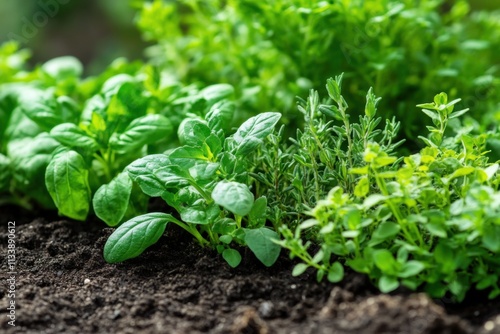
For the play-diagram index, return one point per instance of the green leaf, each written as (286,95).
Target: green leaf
(63,67)
(227,239)
(224,226)
(458,113)
(198,214)
(334,87)
(257,215)
(251,133)
(441,98)
(132,238)
(232,257)
(436,229)
(371,103)
(330,111)
(386,230)
(385,261)
(71,135)
(216,93)
(260,243)
(128,103)
(411,268)
(362,188)
(462,172)
(111,200)
(66,179)
(5,173)
(299,269)
(141,131)
(491,171)
(204,172)
(220,116)
(445,257)
(187,156)
(387,284)
(172,176)
(373,200)
(336,272)
(193,132)
(432,114)
(143,171)
(29,159)
(44,109)
(491,237)
(233,196)
(113,84)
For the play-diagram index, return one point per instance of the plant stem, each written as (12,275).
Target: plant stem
(192,230)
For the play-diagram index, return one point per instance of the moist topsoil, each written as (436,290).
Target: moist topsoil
(63,285)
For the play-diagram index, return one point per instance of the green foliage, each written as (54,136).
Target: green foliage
(295,176)
(423,215)
(110,133)
(206,182)
(426,220)
(66,179)
(273,51)
(135,236)
(103,122)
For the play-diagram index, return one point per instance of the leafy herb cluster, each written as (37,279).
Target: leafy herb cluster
(405,50)
(206,182)
(426,220)
(194,126)
(296,173)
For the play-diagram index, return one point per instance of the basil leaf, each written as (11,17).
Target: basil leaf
(45,110)
(257,215)
(187,156)
(198,214)
(111,200)
(143,170)
(132,238)
(141,131)
(5,173)
(232,257)
(66,179)
(173,176)
(29,160)
(233,196)
(71,135)
(252,132)
(216,93)
(63,67)
(221,115)
(260,243)
(193,132)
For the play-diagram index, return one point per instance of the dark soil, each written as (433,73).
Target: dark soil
(64,286)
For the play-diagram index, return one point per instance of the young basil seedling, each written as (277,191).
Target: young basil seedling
(206,181)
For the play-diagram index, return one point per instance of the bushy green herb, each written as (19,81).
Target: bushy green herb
(294,177)
(426,220)
(96,144)
(78,134)
(206,182)
(274,51)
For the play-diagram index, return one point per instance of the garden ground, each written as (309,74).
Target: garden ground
(65,286)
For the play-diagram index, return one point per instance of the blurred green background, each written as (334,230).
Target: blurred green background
(95,31)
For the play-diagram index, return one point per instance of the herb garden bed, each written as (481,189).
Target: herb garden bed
(220,186)
(65,286)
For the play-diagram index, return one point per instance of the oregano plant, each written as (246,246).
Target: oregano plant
(428,220)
